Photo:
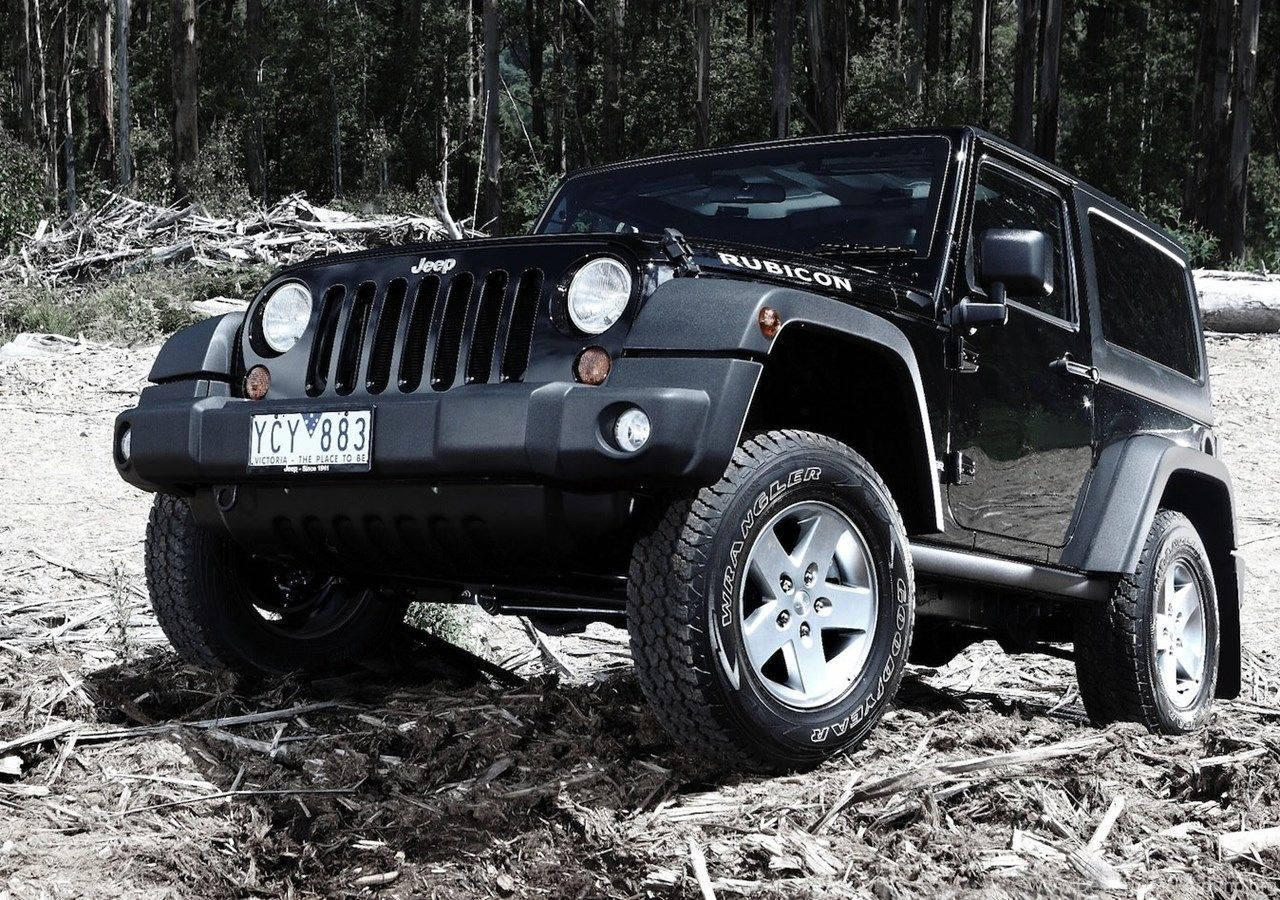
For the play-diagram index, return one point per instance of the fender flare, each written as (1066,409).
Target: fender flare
(1131,482)
(720,316)
(202,350)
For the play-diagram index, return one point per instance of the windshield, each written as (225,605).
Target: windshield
(860,193)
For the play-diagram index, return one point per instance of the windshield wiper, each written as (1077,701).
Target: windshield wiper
(862,251)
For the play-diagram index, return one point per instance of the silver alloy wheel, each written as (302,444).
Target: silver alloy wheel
(808,605)
(1180,635)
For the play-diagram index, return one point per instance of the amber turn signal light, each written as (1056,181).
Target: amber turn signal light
(769,321)
(257,382)
(592,365)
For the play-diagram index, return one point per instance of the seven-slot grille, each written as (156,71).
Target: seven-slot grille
(429,334)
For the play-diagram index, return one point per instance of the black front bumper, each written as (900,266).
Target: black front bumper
(190,434)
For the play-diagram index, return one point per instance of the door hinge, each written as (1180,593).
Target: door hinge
(958,468)
(960,356)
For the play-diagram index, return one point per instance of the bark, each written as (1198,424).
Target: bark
(45,102)
(68,120)
(611,24)
(784,20)
(1215,137)
(828,25)
(1024,85)
(1200,102)
(558,159)
(702,70)
(491,195)
(978,57)
(23,70)
(1047,88)
(124,150)
(468,170)
(1242,84)
(254,151)
(185,85)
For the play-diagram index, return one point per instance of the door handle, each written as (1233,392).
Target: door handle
(1069,368)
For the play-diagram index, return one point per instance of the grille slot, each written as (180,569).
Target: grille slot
(415,341)
(344,381)
(384,340)
(444,364)
(515,359)
(486,331)
(322,350)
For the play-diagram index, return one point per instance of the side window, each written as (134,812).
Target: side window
(1145,298)
(1003,200)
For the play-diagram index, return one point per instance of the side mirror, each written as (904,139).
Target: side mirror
(1016,261)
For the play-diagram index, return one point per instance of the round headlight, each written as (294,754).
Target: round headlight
(598,294)
(285,316)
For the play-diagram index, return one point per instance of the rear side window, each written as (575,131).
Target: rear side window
(1145,298)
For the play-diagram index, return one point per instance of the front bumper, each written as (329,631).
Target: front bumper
(189,434)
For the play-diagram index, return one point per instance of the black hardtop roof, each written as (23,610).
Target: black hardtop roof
(957,133)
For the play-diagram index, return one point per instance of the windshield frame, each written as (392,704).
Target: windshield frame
(923,270)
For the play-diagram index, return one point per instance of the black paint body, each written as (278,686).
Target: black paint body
(492,465)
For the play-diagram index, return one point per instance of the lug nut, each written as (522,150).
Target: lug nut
(804,629)
(811,575)
(821,605)
(783,618)
(787,585)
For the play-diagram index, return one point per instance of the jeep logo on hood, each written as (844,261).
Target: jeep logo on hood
(439,266)
(799,274)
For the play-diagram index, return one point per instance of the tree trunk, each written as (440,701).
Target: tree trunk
(491,195)
(784,20)
(978,57)
(1047,88)
(254,151)
(68,121)
(124,150)
(1024,85)
(536,27)
(915,72)
(558,160)
(102,91)
(610,25)
(24,71)
(828,25)
(1211,187)
(46,104)
(468,170)
(1246,70)
(702,70)
(185,84)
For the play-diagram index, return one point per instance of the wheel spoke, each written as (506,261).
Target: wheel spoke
(818,539)
(1169,671)
(811,664)
(769,561)
(761,633)
(851,609)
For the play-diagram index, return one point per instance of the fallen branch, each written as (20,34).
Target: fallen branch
(1247,843)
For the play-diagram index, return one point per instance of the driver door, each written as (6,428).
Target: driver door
(1023,424)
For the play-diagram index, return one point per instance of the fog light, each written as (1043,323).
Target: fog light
(126,444)
(257,382)
(592,365)
(631,430)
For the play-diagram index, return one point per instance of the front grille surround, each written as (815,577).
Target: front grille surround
(433,332)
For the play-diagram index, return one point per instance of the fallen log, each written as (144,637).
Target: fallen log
(1240,302)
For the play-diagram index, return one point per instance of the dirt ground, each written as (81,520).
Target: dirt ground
(426,778)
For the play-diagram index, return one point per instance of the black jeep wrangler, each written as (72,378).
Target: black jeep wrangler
(794,413)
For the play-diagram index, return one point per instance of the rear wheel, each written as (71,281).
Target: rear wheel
(223,609)
(771,614)
(1150,654)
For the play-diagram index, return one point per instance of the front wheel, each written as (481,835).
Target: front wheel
(223,609)
(771,614)
(1150,654)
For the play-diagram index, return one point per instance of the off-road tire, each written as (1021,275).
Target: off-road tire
(1114,655)
(677,610)
(195,579)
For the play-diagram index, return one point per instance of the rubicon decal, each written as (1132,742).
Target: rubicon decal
(798,274)
(438,266)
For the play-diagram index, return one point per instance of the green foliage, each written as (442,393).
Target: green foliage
(22,199)
(1204,249)
(447,621)
(132,309)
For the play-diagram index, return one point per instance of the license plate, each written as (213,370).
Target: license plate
(311,442)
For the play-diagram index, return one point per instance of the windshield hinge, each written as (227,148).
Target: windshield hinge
(679,252)
(960,357)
